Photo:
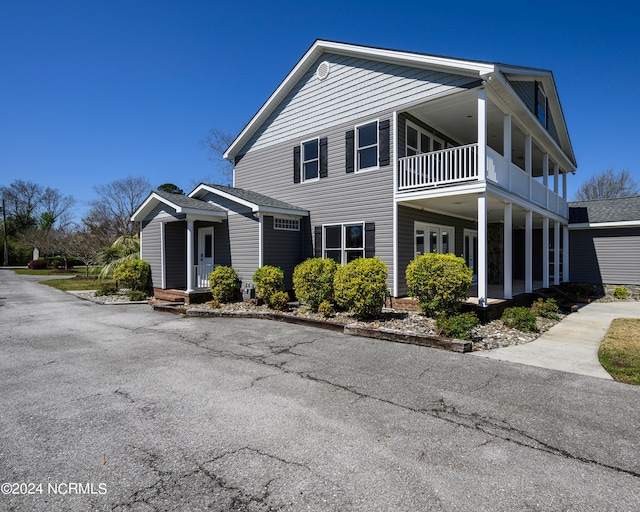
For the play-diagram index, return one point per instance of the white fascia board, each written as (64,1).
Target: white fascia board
(146,207)
(599,225)
(474,187)
(320,47)
(267,210)
(230,197)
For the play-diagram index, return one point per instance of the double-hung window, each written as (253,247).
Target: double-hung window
(367,146)
(541,105)
(310,160)
(344,242)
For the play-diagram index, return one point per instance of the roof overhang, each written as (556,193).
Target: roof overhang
(606,225)
(203,189)
(192,213)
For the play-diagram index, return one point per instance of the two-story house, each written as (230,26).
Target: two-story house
(372,152)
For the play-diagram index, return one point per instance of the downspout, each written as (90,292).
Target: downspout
(395,203)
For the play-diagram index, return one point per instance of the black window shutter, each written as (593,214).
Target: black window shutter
(296,164)
(383,135)
(318,241)
(348,143)
(369,239)
(324,170)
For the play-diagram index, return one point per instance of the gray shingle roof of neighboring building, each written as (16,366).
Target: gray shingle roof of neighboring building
(255,198)
(188,202)
(605,210)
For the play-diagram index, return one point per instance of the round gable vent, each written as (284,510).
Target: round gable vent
(323,70)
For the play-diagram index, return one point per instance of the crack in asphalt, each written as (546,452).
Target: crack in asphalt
(445,412)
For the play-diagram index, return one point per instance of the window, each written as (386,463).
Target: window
(418,141)
(367,146)
(286,224)
(433,238)
(310,160)
(541,104)
(344,242)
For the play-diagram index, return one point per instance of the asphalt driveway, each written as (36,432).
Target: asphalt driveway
(123,408)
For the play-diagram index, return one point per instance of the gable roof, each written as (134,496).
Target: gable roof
(623,211)
(257,202)
(180,203)
(487,71)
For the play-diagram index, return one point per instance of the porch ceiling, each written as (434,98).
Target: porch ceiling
(466,206)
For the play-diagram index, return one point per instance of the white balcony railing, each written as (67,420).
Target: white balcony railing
(459,165)
(438,167)
(202,275)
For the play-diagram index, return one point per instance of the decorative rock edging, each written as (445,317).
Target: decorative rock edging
(379,333)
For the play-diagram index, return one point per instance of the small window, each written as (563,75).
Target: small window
(344,242)
(286,224)
(541,105)
(367,146)
(310,160)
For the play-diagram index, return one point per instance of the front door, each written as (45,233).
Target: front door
(471,251)
(205,256)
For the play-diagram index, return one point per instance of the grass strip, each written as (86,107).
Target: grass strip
(619,352)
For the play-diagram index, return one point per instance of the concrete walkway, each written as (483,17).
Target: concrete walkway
(572,345)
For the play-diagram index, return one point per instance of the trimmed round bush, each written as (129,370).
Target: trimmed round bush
(133,274)
(224,284)
(313,281)
(440,282)
(458,326)
(268,280)
(360,286)
(620,292)
(279,301)
(520,318)
(546,308)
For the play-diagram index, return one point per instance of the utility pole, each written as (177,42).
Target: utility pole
(4,235)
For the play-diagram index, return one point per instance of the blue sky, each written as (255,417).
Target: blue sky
(95,91)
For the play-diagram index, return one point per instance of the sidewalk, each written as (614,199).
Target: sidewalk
(572,345)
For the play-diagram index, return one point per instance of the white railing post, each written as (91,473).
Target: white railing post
(190,249)
(528,251)
(482,134)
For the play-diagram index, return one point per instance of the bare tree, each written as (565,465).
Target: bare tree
(85,246)
(216,142)
(608,185)
(111,212)
(56,208)
(22,199)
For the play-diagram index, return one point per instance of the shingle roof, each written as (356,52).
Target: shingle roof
(605,210)
(255,198)
(188,202)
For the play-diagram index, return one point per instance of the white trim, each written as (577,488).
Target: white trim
(343,249)
(190,259)
(260,244)
(356,161)
(302,173)
(482,134)
(286,221)
(556,253)
(528,251)
(508,251)
(597,225)
(545,252)
(565,254)
(482,251)
(144,209)
(163,257)
(427,226)
(394,228)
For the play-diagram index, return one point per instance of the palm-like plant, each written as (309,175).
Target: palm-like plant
(125,248)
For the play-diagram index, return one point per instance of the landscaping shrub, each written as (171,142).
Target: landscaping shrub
(37,264)
(106,290)
(136,295)
(458,326)
(326,309)
(224,284)
(313,281)
(440,282)
(133,274)
(360,286)
(546,308)
(268,280)
(279,301)
(620,292)
(520,318)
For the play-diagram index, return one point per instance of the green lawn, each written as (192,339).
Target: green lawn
(620,350)
(67,284)
(45,272)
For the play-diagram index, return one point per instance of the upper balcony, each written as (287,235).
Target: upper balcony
(459,165)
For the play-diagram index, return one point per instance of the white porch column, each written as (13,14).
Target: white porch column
(556,169)
(508,251)
(528,167)
(507,138)
(190,261)
(528,251)
(564,186)
(482,134)
(565,254)
(556,253)
(545,252)
(482,250)
(545,169)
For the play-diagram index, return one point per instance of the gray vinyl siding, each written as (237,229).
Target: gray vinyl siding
(355,89)
(527,93)
(406,241)
(608,256)
(175,247)
(241,243)
(151,240)
(282,248)
(339,198)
